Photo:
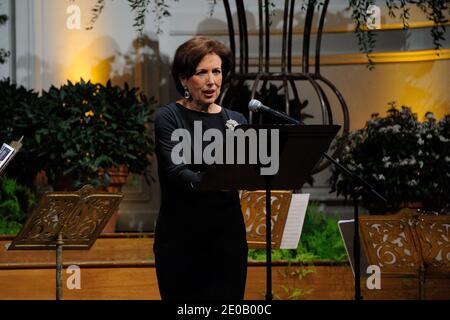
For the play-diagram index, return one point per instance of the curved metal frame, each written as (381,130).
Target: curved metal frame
(285,75)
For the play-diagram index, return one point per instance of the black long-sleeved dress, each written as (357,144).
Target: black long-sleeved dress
(200,239)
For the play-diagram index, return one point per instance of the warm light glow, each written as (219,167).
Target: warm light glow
(79,69)
(92,62)
(417,100)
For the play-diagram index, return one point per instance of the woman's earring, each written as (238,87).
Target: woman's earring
(187,95)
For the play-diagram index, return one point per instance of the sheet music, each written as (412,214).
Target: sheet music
(6,153)
(294,221)
(348,245)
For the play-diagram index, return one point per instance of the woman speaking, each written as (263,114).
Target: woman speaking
(200,238)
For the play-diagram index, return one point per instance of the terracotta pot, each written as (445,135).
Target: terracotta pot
(63,183)
(119,177)
(379,209)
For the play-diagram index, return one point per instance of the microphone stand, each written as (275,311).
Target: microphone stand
(358,186)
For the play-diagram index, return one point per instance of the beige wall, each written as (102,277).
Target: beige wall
(424,86)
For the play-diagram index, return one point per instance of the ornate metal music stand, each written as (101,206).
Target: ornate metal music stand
(408,243)
(253,206)
(69,220)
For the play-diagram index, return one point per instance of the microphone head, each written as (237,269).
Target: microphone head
(254,105)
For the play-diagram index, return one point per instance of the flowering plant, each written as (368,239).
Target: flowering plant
(401,157)
(90,128)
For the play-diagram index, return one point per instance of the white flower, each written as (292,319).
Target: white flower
(420,141)
(396,128)
(443,139)
(231,124)
(447,159)
(412,183)
(429,136)
(386,161)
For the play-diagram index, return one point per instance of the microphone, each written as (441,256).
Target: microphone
(256,106)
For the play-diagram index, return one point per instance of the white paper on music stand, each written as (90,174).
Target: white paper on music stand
(348,244)
(294,221)
(6,152)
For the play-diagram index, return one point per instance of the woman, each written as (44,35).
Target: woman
(200,239)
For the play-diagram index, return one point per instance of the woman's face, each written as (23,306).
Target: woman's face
(204,86)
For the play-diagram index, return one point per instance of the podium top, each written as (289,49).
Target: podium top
(300,149)
(79,216)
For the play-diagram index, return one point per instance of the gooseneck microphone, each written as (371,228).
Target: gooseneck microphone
(256,106)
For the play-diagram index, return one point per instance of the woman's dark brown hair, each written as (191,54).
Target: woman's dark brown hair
(190,53)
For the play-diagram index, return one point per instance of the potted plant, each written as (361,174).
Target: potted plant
(92,129)
(17,119)
(405,159)
(93,134)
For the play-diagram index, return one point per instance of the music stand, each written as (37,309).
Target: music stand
(7,152)
(69,220)
(347,231)
(300,149)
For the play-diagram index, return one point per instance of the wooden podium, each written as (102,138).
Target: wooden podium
(69,220)
(300,150)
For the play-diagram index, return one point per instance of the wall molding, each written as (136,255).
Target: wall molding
(299,31)
(360,58)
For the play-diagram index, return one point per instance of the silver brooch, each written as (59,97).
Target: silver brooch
(231,124)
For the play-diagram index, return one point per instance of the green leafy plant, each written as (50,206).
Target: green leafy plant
(320,240)
(90,128)
(17,105)
(15,202)
(295,275)
(405,159)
